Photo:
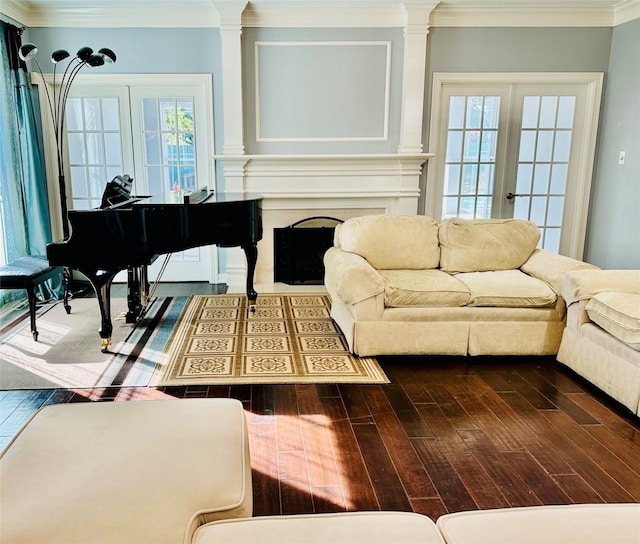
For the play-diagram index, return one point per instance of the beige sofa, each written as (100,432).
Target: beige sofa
(562,524)
(601,341)
(408,285)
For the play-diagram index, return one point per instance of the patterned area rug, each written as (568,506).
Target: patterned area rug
(288,339)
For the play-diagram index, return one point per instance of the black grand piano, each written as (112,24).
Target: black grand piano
(129,233)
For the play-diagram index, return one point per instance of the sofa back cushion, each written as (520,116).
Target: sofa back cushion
(478,245)
(392,242)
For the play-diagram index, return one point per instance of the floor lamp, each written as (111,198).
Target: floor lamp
(58,100)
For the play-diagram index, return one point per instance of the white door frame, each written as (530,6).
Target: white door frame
(582,173)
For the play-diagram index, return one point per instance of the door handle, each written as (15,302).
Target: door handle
(511,196)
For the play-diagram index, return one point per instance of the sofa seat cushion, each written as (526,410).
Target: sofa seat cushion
(566,524)
(508,288)
(422,288)
(618,314)
(343,527)
(479,245)
(391,241)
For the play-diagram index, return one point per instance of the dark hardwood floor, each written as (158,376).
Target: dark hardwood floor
(447,434)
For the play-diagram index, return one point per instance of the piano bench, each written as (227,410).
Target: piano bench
(27,273)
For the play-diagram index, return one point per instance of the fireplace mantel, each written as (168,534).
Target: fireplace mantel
(393,178)
(298,186)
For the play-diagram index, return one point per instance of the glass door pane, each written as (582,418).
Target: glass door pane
(169,152)
(169,145)
(94,143)
(543,161)
(470,156)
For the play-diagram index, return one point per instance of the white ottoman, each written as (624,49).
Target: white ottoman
(565,524)
(125,472)
(348,527)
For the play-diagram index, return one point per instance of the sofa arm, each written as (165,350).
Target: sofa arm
(584,284)
(350,277)
(552,268)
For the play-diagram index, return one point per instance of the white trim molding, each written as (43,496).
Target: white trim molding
(383,132)
(625,11)
(416,28)
(318,13)
(230,12)
(134,13)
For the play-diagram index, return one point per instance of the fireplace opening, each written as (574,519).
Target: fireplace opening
(299,248)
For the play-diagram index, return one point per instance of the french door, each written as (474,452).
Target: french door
(515,145)
(158,130)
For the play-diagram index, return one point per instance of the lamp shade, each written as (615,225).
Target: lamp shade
(108,55)
(95,60)
(28,51)
(58,55)
(84,53)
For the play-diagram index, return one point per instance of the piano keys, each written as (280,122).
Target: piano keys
(132,233)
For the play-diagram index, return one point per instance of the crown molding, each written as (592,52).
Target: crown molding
(135,13)
(544,13)
(625,11)
(18,10)
(322,13)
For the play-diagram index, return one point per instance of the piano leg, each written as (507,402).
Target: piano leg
(101,282)
(137,291)
(251,251)
(66,280)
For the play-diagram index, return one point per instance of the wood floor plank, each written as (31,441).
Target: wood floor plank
(496,464)
(432,508)
(353,400)
(624,426)
(577,489)
(472,395)
(559,399)
(384,478)
(451,489)
(328,499)
(264,469)
(288,428)
(412,473)
(295,492)
(625,476)
(528,427)
(354,477)
(315,431)
(394,400)
(540,482)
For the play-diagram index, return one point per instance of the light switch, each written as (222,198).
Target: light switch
(621,156)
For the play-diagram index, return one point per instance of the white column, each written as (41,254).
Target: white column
(232,92)
(234,177)
(416,28)
(232,110)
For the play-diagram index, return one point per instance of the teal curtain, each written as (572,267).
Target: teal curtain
(24,207)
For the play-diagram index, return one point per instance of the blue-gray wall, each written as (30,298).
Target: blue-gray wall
(613,236)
